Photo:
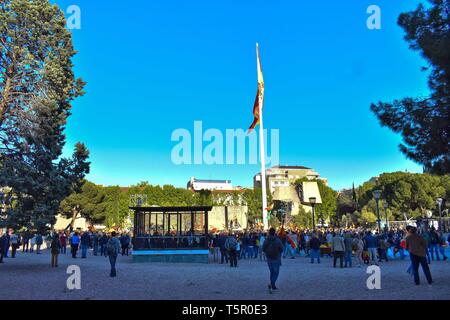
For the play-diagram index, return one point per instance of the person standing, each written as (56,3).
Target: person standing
(348,242)
(417,246)
(215,248)
(338,249)
(223,250)
(358,245)
(63,242)
(382,248)
(427,237)
(32,242)
(434,244)
(442,245)
(231,246)
(103,242)
(39,242)
(14,240)
(2,244)
(7,243)
(25,241)
(112,251)
(74,243)
(371,245)
(55,248)
(262,238)
(85,241)
(125,243)
(314,245)
(95,242)
(273,247)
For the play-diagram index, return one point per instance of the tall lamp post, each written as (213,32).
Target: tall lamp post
(312,201)
(2,196)
(439,203)
(385,206)
(377,196)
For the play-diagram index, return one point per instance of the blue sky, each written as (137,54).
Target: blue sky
(155,66)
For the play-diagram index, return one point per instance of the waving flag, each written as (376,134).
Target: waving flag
(259,95)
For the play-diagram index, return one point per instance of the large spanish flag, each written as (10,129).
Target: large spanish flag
(259,95)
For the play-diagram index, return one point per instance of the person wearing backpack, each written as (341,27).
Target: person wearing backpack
(39,242)
(434,244)
(112,251)
(231,246)
(55,247)
(273,247)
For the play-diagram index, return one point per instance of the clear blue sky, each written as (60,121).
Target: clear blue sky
(155,66)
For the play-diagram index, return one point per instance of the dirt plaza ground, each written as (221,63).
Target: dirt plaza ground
(30,277)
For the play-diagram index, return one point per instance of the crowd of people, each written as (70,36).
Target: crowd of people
(101,243)
(350,246)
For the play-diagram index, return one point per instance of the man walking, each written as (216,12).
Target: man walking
(112,251)
(273,247)
(417,246)
(85,244)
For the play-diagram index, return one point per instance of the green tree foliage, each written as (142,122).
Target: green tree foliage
(302,219)
(424,122)
(91,202)
(37,86)
(405,193)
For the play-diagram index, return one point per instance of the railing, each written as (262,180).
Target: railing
(147,242)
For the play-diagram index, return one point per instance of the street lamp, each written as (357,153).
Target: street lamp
(439,203)
(2,196)
(312,201)
(385,206)
(377,196)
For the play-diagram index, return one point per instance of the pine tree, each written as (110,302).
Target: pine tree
(37,86)
(424,122)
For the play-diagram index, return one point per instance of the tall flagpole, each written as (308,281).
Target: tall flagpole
(262,150)
(263,166)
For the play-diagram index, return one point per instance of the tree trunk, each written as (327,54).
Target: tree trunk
(75,213)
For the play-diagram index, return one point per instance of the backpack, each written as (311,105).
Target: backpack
(231,243)
(111,248)
(271,249)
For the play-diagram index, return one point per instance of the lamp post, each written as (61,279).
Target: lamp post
(377,196)
(439,203)
(2,196)
(385,206)
(312,201)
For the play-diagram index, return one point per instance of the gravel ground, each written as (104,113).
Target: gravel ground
(30,277)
